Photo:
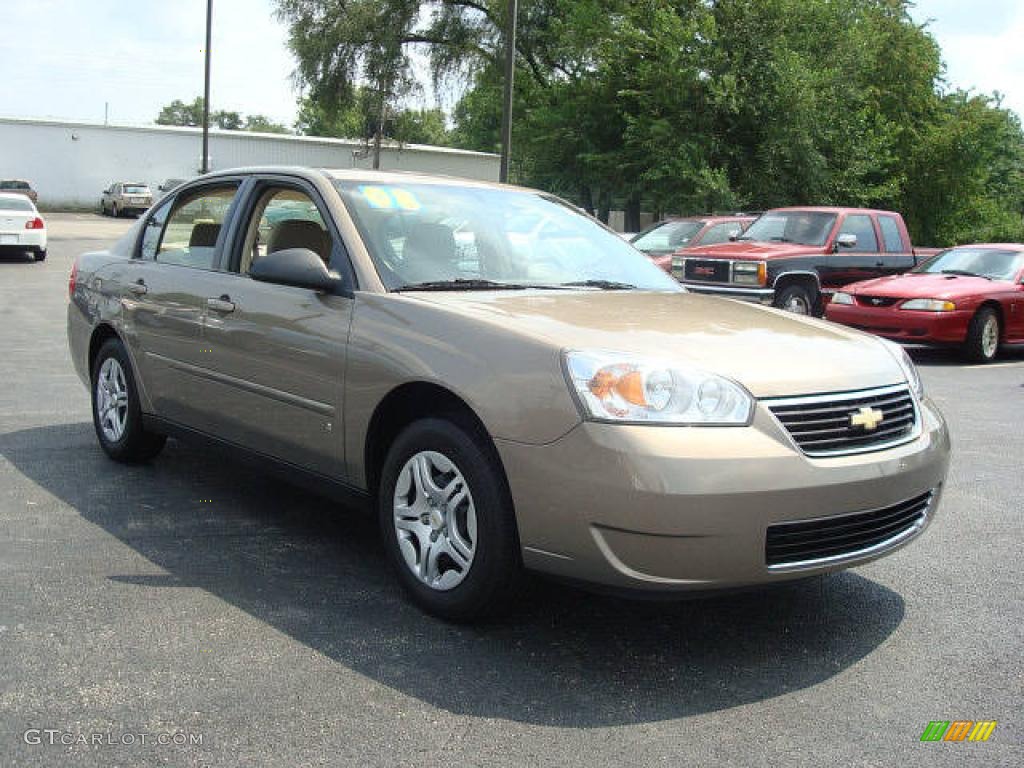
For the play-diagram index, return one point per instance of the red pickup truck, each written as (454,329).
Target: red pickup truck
(795,258)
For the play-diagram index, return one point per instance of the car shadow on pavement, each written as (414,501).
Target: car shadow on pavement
(563,657)
(952,357)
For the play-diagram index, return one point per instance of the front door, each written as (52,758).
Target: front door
(277,353)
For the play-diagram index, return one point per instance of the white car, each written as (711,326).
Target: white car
(21,226)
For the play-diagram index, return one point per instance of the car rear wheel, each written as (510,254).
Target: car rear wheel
(447,522)
(116,411)
(796,299)
(982,343)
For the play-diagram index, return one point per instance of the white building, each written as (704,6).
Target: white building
(70,163)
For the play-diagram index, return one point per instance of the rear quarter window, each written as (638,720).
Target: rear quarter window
(891,234)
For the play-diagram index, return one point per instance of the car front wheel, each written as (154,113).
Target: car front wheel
(796,299)
(982,343)
(116,412)
(447,521)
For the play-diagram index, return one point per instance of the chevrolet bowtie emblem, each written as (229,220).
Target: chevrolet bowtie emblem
(868,418)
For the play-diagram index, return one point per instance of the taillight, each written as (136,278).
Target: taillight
(35,223)
(73,278)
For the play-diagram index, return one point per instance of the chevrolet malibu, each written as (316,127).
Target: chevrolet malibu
(506,401)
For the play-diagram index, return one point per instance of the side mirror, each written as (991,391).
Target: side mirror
(846,240)
(297,267)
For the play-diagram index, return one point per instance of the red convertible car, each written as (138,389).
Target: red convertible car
(971,295)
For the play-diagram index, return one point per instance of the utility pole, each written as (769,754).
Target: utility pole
(510,70)
(205,164)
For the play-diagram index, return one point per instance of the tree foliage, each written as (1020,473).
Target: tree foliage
(692,105)
(191,114)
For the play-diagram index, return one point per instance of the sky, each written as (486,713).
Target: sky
(72,58)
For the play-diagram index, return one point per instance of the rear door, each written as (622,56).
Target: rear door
(277,352)
(164,291)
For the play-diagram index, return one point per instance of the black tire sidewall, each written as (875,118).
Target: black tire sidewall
(496,561)
(136,444)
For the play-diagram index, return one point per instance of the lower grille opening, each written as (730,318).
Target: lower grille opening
(823,539)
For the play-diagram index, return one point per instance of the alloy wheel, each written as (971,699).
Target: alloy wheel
(990,337)
(435,520)
(112,399)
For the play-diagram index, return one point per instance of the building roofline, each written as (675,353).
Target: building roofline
(242,135)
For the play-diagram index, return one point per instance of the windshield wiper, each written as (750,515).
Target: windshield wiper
(964,273)
(604,285)
(780,240)
(463,284)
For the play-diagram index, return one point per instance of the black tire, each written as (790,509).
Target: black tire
(797,296)
(976,342)
(136,444)
(39,255)
(495,573)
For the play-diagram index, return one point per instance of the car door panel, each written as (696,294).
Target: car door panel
(276,369)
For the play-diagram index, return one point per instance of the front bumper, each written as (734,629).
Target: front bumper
(677,508)
(911,326)
(757,295)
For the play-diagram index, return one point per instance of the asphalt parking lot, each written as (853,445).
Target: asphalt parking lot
(196,596)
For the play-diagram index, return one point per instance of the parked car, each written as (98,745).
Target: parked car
(548,401)
(21,226)
(19,187)
(660,241)
(972,296)
(168,185)
(794,258)
(124,197)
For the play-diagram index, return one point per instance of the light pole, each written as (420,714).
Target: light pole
(205,163)
(510,70)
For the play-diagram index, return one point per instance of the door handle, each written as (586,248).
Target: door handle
(879,263)
(138,287)
(223,304)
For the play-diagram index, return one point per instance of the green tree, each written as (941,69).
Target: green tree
(263,124)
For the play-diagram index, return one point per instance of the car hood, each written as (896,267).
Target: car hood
(925,286)
(770,352)
(751,249)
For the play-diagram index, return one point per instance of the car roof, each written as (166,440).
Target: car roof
(356,174)
(1001,246)
(831,209)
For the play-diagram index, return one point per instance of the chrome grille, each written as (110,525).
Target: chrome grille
(807,543)
(827,425)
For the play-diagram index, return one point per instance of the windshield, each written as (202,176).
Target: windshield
(136,189)
(667,236)
(489,238)
(13,203)
(984,262)
(803,227)
(14,185)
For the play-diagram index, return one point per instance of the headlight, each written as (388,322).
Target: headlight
(620,387)
(929,305)
(909,369)
(841,298)
(749,272)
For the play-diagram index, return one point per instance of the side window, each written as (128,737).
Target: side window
(285,218)
(891,234)
(190,237)
(860,225)
(154,228)
(720,233)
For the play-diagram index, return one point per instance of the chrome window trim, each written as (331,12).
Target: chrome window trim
(875,549)
(839,397)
